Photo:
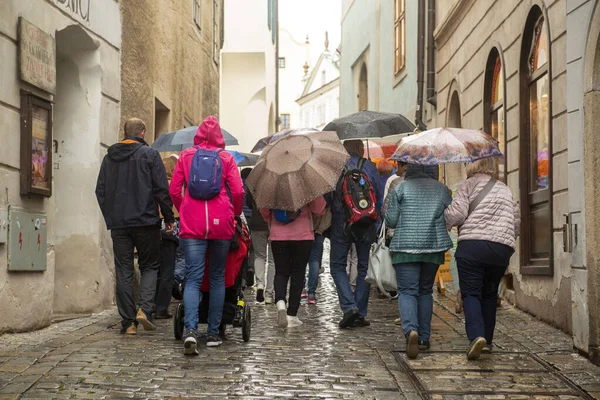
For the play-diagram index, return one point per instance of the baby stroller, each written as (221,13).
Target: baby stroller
(235,311)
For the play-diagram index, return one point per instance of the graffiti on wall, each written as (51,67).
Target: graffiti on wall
(80,8)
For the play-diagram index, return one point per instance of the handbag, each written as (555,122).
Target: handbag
(381,271)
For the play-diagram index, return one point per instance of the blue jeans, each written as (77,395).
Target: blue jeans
(340,246)
(415,296)
(314,263)
(479,290)
(195,257)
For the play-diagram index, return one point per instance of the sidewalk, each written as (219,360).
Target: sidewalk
(87,358)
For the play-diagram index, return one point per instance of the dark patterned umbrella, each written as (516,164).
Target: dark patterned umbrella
(369,125)
(184,138)
(297,169)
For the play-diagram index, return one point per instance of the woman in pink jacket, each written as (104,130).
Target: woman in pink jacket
(488,228)
(206,226)
(291,244)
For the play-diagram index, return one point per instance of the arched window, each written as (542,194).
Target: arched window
(536,147)
(495,114)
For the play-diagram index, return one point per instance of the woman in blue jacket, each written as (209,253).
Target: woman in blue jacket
(416,212)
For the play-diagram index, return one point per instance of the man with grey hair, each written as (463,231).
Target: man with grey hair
(132,185)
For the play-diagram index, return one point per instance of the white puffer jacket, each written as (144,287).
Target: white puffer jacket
(496,219)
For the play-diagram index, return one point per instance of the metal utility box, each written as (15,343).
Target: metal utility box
(3,226)
(27,239)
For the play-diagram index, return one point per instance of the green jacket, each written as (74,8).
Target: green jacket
(416,212)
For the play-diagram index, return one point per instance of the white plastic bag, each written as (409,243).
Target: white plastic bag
(381,271)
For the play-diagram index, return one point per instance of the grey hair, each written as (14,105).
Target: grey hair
(486,166)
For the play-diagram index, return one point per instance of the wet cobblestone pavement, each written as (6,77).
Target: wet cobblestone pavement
(87,358)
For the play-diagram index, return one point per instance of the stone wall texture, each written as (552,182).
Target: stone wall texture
(167,57)
(462,52)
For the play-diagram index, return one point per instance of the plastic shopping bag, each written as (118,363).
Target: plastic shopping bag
(381,271)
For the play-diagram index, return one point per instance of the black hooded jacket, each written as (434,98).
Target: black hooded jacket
(132,184)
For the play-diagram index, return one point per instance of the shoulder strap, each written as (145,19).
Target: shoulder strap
(484,192)
(360,164)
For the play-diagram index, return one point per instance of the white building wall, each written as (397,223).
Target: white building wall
(296,53)
(79,251)
(248,74)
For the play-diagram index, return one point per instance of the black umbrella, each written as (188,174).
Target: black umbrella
(369,125)
(184,138)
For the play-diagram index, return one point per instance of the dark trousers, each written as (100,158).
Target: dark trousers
(146,239)
(479,289)
(164,286)
(290,258)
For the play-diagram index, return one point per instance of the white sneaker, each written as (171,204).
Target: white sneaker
(269,300)
(293,321)
(282,319)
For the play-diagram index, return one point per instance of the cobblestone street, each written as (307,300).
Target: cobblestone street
(87,358)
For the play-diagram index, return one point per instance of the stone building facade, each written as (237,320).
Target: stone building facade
(524,70)
(583,123)
(378,64)
(170,63)
(59,109)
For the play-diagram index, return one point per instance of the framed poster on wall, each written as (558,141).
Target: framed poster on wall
(36,145)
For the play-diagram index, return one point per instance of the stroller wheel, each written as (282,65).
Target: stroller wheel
(178,322)
(246,323)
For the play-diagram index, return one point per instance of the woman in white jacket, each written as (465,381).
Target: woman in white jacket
(488,218)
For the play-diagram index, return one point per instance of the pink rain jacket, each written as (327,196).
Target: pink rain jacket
(207,219)
(300,229)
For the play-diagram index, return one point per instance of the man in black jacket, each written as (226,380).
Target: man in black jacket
(132,184)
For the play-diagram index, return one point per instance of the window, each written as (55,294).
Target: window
(285,121)
(197,18)
(536,148)
(216,41)
(495,118)
(399,35)
(321,113)
(281,62)
(323,78)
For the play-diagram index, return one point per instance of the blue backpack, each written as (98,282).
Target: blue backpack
(206,174)
(285,217)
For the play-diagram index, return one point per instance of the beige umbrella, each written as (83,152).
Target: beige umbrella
(297,169)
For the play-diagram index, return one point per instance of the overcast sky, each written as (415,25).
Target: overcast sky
(312,17)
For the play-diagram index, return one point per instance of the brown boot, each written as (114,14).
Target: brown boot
(458,306)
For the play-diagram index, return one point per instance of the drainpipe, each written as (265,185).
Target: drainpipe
(431,94)
(420,66)
(276,26)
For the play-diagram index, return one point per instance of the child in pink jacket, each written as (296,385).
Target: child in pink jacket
(291,244)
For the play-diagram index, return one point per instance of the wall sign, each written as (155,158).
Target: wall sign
(37,56)
(36,140)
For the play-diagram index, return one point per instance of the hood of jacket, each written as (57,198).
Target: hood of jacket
(123,150)
(209,134)
(415,171)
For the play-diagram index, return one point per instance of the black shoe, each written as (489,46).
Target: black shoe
(260,295)
(361,322)
(424,345)
(164,315)
(349,317)
(213,341)
(177,291)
